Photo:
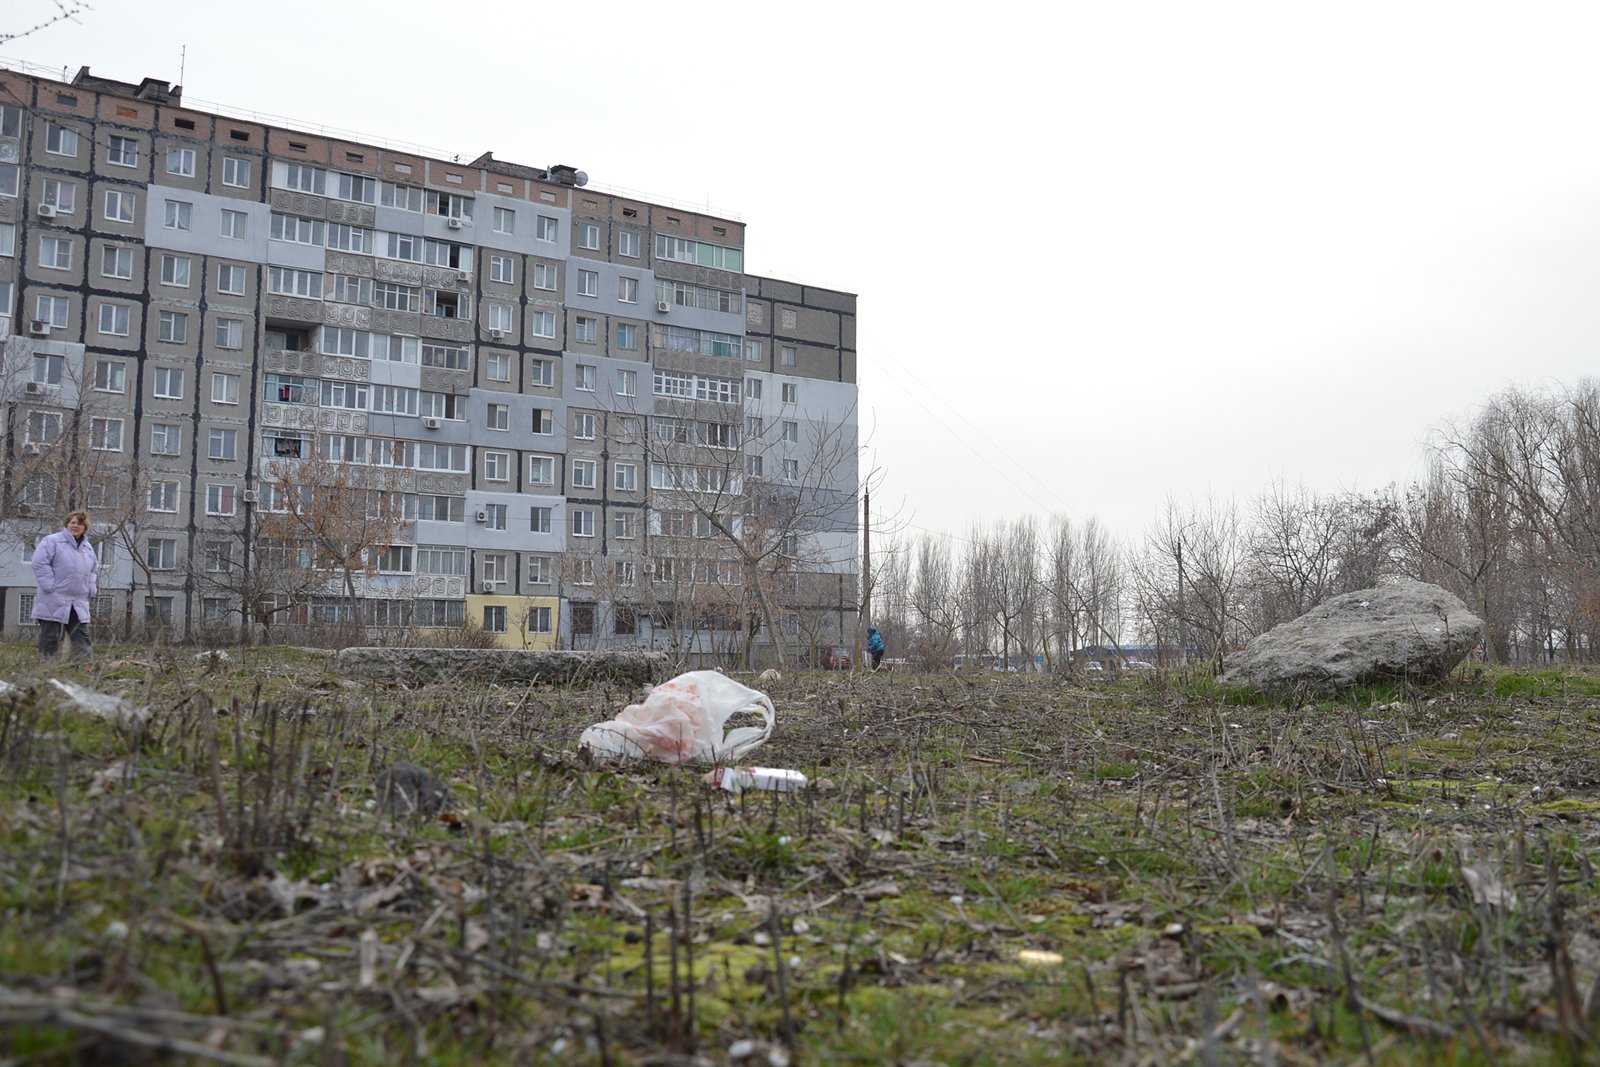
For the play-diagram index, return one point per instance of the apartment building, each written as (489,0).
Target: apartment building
(588,424)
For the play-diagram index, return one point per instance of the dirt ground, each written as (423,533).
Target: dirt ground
(986,868)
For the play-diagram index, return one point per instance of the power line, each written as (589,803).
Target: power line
(963,439)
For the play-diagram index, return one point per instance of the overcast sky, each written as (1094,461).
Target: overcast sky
(1104,251)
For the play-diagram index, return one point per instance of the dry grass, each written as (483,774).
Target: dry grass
(994,868)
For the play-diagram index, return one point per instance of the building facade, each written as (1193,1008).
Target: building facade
(574,417)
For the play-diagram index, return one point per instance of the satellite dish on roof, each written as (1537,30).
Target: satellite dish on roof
(580,178)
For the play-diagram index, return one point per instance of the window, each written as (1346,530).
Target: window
(494,618)
(116,262)
(502,269)
(448,204)
(219,500)
(230,280)
(166,440)
(114,319)
(338,342)
(791,432)
(624,572)
(224,444)
(446,305)
(48,369)
(497,317)
(236,172)
(394,400)
(538,619)
(497,516)
(583,474)
(180,161)
(178,213)
(122,152)
(219,557)
(546,228)
(583,331)
(791,393)
(441,457)
(442,406)
(628,291)
(295,230)
(544,324)
(349,238)
(754,466)
(60,140)
(393,297)
(539,520)
(704,297)
(627,336)
(497,367)
(396,349)
(626,477)
(791,470)
(541,470)
(105,435)
(224,388)
(230,333)
(175,271)
(583,427)
(111,376)
(541,372)
(291,282)
(10,121)
(588,235)
(55,253)
(706,255)
(163,496)
(754,425)
(235,225)
(63,196)
(496,466)
(671,383)
(627,382)
(495,567)
(588,283)
(451,357)
(545,276)
(628,244)
(168,383)
(539,570)
(505,220)
(53,309)
(583,614)
(442,508)
(8,243)
(752,351)
(44,427)
(583,377)
(582,523)
(161,553)
(10,177)
(119,206)
(624,525)
(173,326)
(699,342)
(300,177)
(448,560)
(404,197)
(351,396)
(543,421)
(354,187)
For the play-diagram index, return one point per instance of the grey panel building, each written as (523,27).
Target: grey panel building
(577,420)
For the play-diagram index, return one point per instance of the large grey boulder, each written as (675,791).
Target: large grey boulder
(1410,630)
(630,667)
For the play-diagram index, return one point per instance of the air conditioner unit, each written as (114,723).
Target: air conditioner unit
(39,328)
(465,277)
(454,224)
(663,307)
(249,496)
(36,389)
(433,424)
(497,335)
(32,448)
(47,211)
(489,587)
(483,516)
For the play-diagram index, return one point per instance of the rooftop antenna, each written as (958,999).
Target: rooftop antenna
(183,59)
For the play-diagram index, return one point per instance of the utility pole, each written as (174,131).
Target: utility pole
(866,571)
(1183,617)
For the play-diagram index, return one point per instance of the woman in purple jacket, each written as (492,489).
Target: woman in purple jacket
(65,568)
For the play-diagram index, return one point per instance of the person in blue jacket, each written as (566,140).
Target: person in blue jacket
(875,646)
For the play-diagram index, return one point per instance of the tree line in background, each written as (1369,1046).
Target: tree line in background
(1505,515)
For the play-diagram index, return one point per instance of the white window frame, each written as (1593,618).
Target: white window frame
(184,158)
(235,172)
(162,383)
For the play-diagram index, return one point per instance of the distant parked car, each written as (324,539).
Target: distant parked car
(836,659)
(1138,665)
(1093,667)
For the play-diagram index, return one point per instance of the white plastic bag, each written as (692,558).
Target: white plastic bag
(682,720)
